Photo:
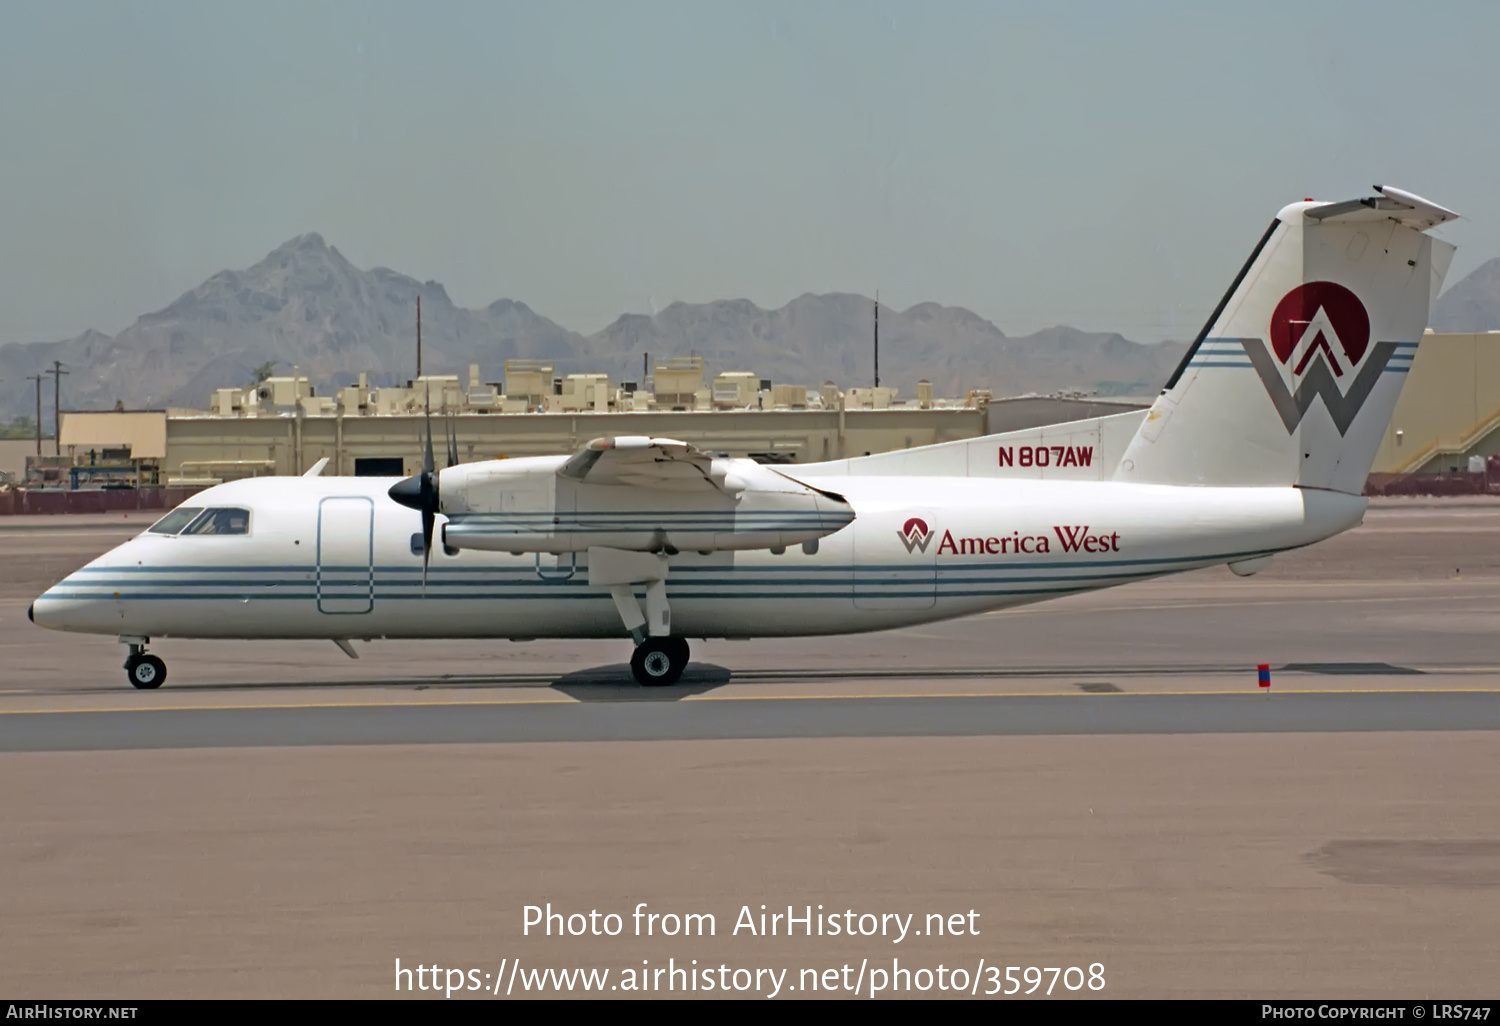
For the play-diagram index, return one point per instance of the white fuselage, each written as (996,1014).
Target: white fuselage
(335,558)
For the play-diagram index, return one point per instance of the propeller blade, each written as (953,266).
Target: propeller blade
(452,433)
(427,461)
(428,520)
(431,503)
(420,492)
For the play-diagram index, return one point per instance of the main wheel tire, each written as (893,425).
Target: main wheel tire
(146,672)
(659,661)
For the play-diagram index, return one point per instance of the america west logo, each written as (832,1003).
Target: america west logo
(1322,331)
(915,535)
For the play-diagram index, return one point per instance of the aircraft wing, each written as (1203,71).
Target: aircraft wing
(642,461)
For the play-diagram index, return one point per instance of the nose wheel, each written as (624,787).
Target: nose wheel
(659,661)
(145,672)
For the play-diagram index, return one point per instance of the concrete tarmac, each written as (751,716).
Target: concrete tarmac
(1244,865)
(1097,779)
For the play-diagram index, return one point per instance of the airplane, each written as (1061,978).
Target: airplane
(1259,443)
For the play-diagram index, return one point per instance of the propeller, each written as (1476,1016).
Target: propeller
(420,492)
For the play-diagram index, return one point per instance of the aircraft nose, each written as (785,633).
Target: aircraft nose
(46,612)
(68,606)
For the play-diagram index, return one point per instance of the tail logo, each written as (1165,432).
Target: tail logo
(1322,331)
(915,535)
(1311,318)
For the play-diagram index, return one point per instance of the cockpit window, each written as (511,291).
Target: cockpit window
(175,520)
(221,521)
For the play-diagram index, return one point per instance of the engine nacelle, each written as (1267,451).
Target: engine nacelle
(535,505)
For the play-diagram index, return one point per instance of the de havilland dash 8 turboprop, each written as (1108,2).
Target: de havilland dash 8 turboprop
(1259,443)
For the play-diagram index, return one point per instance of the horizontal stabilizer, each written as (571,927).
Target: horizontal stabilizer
(1405,208)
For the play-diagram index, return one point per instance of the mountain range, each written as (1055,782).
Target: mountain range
(308,306)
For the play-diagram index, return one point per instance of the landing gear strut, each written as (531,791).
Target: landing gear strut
(145,672)
(659,661)
(660,656)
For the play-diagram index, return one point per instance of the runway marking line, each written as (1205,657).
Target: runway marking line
(765,698)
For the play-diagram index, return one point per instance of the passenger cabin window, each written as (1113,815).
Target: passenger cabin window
(175,520)
(220,521)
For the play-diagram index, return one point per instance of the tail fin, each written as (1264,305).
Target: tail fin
(1294,377)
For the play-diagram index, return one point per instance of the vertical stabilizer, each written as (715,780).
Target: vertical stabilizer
(1296,374)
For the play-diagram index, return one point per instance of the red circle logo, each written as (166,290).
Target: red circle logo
(915,529)
(1317,317)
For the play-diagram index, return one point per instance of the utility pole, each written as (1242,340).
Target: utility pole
(38,378)
(57,373)
(877,338)
(419,341)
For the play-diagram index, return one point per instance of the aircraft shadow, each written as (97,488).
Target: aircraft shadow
(614,683)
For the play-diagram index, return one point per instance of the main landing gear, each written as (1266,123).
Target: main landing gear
(660,656)
(659,661)
(144,671)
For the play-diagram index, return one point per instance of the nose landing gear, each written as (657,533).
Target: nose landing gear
(659,661)
(145,672)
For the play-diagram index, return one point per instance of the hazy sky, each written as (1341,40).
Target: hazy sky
(1105,165)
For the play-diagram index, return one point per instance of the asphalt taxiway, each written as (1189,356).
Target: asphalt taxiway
(955,715)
